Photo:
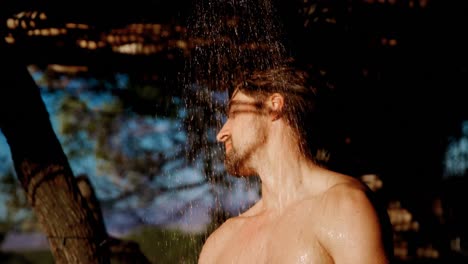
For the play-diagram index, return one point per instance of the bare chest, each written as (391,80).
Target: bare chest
(289,239)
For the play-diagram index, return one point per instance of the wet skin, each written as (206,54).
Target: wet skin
(307,231)
(307,214)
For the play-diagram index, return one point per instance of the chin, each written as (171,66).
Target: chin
(241,172)
(238,163)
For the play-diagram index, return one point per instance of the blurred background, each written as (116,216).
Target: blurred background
(113,79)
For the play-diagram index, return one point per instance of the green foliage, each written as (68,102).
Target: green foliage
(16,203)
(149,99)
(158,245)
(27,257)
(39,257)
(168,246)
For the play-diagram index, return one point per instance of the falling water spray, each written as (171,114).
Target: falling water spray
(229,39)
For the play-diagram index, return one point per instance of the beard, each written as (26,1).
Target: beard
(238,162)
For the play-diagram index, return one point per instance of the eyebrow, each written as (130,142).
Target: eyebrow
(256,104)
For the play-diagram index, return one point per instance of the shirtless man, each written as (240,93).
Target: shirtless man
(307,214)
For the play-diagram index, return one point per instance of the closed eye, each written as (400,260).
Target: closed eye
(233,113)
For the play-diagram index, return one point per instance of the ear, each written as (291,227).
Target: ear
(276,105)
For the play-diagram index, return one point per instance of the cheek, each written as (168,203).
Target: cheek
(249,132)
(239,132)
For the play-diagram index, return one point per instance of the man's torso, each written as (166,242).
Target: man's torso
(286,238)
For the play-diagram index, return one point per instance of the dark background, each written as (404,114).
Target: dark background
(392,108)
(397,104)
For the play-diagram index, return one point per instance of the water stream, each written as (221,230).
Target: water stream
(230,38)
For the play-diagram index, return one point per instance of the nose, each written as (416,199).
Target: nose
(224,133)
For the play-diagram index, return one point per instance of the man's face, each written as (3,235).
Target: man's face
(243,134)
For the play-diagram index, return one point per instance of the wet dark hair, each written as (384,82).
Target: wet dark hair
(299,98)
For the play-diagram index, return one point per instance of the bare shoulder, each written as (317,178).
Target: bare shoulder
(346,192)
(213,245)
(343,191)
(217,241)
(344,201)
(350,227)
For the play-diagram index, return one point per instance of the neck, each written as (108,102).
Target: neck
(287,176)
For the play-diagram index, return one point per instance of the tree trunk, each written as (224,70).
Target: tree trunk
(121,251)
(43,170)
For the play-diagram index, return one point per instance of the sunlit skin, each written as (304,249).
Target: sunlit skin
(307,214)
